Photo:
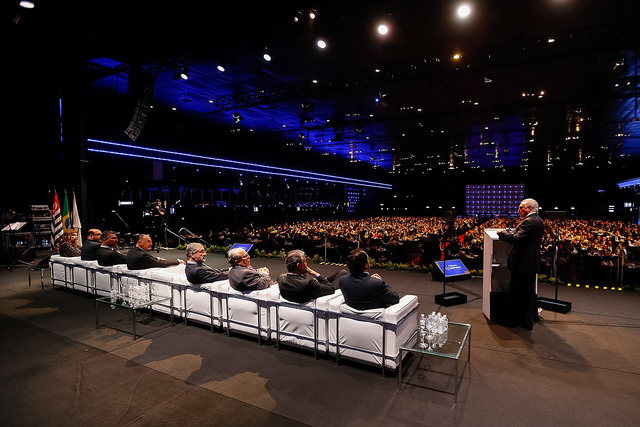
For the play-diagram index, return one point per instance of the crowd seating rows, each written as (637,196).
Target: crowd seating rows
(326,325)
(584,250)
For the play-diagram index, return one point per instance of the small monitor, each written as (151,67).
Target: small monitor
(450,270)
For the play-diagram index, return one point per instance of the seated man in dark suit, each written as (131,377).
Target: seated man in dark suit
(297,287)
(196,271)
(138,258)
(361,290)
(107,255)
(242,277)
(91,245)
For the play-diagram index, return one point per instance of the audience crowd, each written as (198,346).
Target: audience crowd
(421,240)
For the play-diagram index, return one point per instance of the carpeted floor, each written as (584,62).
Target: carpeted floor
(580,368)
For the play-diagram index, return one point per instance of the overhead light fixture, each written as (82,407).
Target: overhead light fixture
(313,14)
(221,68)
(27,4)
(322,44)
(184,73)
(383,30)
(237,117)
(267,57)
(464,11)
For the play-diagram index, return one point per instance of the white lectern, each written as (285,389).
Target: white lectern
(496,276)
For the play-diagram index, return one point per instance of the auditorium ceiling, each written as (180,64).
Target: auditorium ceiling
(515,84)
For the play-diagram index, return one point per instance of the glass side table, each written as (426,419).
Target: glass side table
(448,345)
(120,300)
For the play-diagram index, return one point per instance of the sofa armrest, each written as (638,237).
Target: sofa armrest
(397,312)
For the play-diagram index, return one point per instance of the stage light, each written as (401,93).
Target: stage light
(237,117)
(184,73)
(221,68)
(383,30)
(464,11)
(322,44)
(27,4)
(266,57)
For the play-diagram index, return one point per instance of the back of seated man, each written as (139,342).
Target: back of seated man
(242,277)
(91,245)
(107,254)
(138,257)
(197,271)
(297,287)
(361,290)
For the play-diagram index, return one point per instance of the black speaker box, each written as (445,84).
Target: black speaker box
(554,305)
(451,298)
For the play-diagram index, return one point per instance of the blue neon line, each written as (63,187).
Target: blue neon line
(61,128)
(235,168)
(277,169)
(629,183)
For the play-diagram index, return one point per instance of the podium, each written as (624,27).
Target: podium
(496,277)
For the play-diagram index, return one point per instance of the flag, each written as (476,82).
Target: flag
(66,221)
(75,219)
(56,224)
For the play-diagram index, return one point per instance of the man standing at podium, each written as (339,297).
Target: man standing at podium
(523,263)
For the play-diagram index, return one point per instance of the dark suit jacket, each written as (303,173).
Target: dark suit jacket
(89,249)
(198,274)
(363,292)
(247,279)
(107,256)
(138,259)
(526,240)
(300,289)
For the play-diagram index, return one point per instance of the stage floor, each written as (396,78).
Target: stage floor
(578,368)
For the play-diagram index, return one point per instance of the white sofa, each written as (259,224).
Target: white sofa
(301,325)
(326,325)
(372,336)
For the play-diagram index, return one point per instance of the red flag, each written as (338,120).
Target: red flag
(56,225)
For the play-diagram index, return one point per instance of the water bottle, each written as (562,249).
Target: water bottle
(423,322)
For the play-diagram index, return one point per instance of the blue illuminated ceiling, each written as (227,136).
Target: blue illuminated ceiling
(538,83)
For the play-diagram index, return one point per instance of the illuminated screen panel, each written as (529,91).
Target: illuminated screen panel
(493,200)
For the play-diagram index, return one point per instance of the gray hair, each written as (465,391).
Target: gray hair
(234,255)
(292,259)
(532,204)
(192,248)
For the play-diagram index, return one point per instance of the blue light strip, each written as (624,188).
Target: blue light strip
(61,126)
(629,183)
(233,165)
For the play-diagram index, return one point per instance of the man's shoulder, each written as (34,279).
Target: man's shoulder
(134,251)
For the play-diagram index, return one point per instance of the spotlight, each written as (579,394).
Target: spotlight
(237,117)
(267,57)
(184,73)
(322,44)
(464,11)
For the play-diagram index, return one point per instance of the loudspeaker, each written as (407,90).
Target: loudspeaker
(451,298)
(554,305)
